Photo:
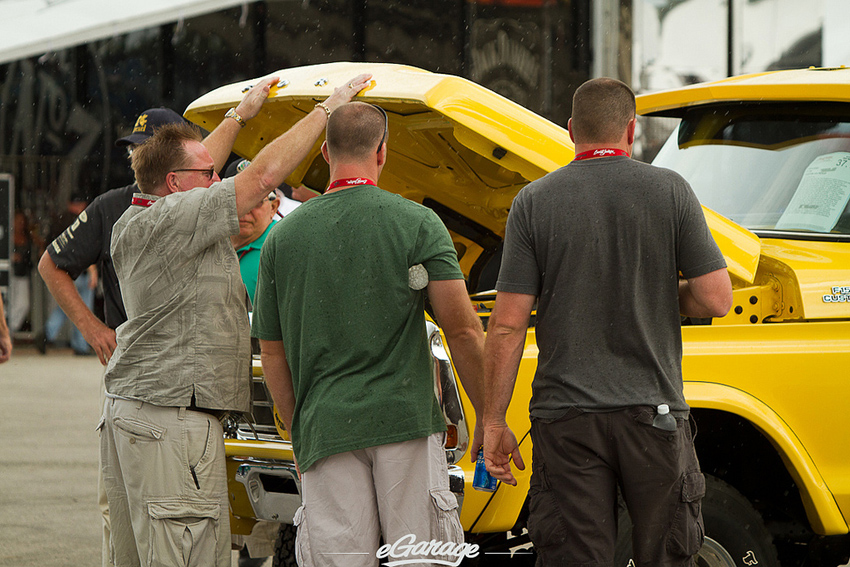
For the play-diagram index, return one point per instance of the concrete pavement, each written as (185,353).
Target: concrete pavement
(48,460)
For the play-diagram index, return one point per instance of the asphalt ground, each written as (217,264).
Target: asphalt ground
(49,408)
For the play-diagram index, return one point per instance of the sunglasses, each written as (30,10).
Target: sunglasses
(208,173)
(386,126)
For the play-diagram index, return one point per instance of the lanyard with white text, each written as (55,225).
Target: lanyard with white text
(142,201)
(352,181)
(600,152)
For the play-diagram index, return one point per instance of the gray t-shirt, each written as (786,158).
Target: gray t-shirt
(601,243)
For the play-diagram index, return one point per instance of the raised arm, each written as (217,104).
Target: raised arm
(280,158)
(220,141)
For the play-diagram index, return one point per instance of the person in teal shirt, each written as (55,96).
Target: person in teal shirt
(253,230)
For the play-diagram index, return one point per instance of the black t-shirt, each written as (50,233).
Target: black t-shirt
(87,242)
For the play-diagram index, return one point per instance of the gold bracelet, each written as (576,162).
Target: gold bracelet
(234,115)
(324,107)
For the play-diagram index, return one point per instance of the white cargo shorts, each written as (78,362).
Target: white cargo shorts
(399,491)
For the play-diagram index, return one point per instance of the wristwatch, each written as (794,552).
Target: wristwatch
(233,114)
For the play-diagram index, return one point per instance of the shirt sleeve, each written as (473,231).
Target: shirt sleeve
(265,321)
(435,249)
(519,272)
(80,245)
(698,253)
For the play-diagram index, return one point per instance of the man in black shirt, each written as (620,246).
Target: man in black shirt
(86,242)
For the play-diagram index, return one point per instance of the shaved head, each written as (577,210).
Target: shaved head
(602,109)
(354,131)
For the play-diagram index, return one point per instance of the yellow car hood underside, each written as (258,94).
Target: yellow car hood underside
(452,143)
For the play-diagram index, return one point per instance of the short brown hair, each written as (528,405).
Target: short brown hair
(161,154)
(602,109)
(355,130)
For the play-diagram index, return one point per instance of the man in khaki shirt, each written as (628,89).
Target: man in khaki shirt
(184,354)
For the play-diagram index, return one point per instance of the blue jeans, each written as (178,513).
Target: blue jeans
(58,318)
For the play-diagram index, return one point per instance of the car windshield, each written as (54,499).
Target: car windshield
(768,167)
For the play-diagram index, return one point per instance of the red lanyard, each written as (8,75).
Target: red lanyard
(351,181)
(600,152)
(142,201)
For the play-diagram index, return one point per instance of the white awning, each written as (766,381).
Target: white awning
(35,27)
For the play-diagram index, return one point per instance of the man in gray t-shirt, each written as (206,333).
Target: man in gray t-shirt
(600,244)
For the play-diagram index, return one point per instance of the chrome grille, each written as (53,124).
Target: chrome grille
(263,410)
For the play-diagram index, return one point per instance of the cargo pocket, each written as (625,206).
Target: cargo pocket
(546,525)
(446,523)
(687,531)
(303,553)
(138,429)
(183,533)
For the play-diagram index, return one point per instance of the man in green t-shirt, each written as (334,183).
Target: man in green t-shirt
(346,356)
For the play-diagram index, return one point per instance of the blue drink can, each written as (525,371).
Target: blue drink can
(483,480)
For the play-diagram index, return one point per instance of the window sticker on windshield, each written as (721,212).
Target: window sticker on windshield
(821,196)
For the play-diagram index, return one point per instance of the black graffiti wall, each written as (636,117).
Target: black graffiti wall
(62,112)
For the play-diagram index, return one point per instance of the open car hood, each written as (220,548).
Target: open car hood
(454,146)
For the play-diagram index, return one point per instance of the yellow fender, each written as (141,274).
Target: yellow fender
(821,508)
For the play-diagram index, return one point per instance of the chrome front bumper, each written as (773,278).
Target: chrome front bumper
(274,489)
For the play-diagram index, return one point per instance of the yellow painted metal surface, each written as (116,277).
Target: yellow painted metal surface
(258,449)
(794,85)
(762,373)
(740,247)
(818,267)
(789,380)
(241,513)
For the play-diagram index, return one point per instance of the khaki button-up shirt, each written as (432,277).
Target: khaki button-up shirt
(187,331)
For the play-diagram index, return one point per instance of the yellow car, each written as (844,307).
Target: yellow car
(766,382)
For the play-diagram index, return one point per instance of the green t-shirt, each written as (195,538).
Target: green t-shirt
(333,286)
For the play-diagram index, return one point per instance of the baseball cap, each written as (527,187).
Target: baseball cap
(240,164)
(148,121)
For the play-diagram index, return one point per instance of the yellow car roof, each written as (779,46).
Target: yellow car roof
(812,84)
